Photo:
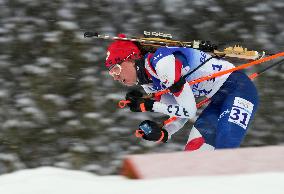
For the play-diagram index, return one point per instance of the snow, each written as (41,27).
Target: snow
(45,60)
(67,25)
(4,93)
(56,99)
(35,70)
(49,180)
(51,36)
(92,115)
(66,114)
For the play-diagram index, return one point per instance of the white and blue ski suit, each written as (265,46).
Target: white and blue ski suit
(224,122)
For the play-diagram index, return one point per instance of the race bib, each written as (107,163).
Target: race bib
(241,112)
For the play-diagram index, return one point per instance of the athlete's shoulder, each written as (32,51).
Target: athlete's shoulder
(161,53)
(165,51)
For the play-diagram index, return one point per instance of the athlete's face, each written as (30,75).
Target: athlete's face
(124,73)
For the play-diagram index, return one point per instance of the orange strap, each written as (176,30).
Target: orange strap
(161,138)
(142,107)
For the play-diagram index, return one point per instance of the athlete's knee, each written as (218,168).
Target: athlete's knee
(230,138)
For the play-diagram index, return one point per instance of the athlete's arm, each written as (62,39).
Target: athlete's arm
(168,70)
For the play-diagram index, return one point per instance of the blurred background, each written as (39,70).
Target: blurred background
(58,104)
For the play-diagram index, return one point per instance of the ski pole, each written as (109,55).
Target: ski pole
(123,103)
(256,62)
(139,133)
(252,77)
(256,74)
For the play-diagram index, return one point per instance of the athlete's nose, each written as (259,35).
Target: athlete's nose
(116,77)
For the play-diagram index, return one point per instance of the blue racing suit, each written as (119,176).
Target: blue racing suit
(224,122)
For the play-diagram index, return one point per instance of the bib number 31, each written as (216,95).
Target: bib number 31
(241,112)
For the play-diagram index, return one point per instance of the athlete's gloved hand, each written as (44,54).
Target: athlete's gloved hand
(140,104)
(151,131)
(178,86)
(137,102)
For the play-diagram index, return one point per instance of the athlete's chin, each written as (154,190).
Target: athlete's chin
(129,84)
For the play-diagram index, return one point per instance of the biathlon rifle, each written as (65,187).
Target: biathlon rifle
(158,39)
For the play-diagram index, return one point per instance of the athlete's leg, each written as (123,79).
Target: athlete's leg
(203,134)
(237,111)
(196,141)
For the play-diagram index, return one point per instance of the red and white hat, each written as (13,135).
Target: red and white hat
(121,50)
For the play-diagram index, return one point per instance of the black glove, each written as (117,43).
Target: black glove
(151,131)
(133,94)
(137,103)
(177,87)
(140,104)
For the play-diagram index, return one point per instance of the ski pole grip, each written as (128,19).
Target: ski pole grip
(123,103)
(139,133)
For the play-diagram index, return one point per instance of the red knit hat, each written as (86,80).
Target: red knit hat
(120,50)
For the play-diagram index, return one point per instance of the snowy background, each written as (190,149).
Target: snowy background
(58,181)
(57,102)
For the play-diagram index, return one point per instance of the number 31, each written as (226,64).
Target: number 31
(238,115)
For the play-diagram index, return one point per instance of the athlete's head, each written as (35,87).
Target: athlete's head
(120,61)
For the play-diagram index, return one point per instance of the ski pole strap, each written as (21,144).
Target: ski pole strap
(162,137)
(139,133)
(123,103)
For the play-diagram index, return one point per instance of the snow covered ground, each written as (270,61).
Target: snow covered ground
(49,180)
